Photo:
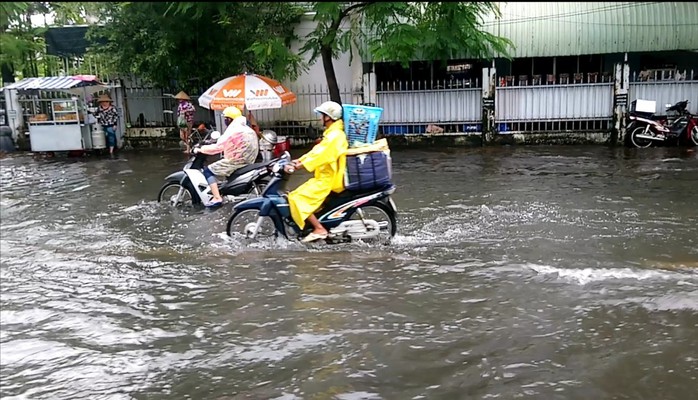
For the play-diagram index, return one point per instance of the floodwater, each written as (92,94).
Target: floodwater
(517,272)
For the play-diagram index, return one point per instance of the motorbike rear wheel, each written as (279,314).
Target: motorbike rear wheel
(694,135)
(384,218)
(176,195)
(640,143)
(245,222)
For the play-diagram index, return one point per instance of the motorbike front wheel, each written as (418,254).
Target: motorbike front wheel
(694,135)
(245,223)
(176,195)
(639,142)
(258,187)
(385,219)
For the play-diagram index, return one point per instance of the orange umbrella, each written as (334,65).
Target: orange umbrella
(251,91)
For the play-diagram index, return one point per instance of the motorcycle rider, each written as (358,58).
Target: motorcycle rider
(328,160)
(239,145)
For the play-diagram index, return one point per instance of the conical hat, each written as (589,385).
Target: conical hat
(182,96)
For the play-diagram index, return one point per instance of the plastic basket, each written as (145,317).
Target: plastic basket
(361,124)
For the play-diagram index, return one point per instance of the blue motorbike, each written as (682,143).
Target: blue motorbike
(347,216)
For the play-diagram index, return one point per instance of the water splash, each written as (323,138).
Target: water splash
(588,275)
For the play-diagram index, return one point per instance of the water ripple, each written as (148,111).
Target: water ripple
(516,272)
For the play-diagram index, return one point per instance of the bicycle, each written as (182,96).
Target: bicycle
(195,137)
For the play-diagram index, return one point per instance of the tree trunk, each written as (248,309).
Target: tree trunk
(326,53)
(8,74)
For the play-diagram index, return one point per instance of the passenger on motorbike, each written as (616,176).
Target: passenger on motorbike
(328,160)
(240,147)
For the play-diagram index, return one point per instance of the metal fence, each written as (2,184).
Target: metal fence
(146,108)
(409,108)
(430,106)
(543,103)
(298,118)
(666,92)
(455,106)
(578,107)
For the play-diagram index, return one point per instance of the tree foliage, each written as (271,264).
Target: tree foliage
(22,42)
(18,38)
(431,31)
(191,45)
(402,31)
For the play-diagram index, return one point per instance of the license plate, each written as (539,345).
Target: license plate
(392,203)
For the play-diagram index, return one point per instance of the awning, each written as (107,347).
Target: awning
(73,84)
(52,83)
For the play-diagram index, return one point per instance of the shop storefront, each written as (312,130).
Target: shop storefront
(56,111)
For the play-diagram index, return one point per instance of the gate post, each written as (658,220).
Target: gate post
(620,100)
(488,94)
(117,94)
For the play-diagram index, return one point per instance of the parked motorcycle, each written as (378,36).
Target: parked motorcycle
(189,186)
(645,129)
(369,215)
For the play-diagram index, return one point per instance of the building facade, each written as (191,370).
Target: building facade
(562,74)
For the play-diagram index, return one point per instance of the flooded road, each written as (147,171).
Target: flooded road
(529,272)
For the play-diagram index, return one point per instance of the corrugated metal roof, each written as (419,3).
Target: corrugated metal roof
(540,29)
(564,29)
(51,83)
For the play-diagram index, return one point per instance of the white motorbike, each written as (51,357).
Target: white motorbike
(189,187)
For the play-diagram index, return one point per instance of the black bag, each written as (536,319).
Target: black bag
(368,171)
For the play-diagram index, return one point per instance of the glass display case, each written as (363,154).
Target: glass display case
(65,130)
(65,111)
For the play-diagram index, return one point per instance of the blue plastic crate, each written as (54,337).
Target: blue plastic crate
(361,123)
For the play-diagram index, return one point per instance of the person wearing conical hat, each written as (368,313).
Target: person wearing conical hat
(108,117)
(185,118)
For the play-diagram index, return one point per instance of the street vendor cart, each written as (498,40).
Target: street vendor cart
(55,110)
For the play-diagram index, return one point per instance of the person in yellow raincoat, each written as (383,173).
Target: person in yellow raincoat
(328,160)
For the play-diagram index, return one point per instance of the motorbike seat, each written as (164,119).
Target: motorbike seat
(335,199)
(679,107)
(246,169)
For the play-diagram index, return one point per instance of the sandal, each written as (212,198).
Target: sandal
(312,236)
(214,204)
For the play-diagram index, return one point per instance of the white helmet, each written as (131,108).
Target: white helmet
(331,109)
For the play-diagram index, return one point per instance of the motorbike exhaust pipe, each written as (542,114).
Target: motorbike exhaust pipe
(657,138)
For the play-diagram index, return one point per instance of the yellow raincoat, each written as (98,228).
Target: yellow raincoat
(328,160)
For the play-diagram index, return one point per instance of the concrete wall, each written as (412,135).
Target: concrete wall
(315,76)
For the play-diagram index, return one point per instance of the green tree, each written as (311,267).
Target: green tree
(22,42)
(192,45)
(18,39)
(395,31)
(401,31)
